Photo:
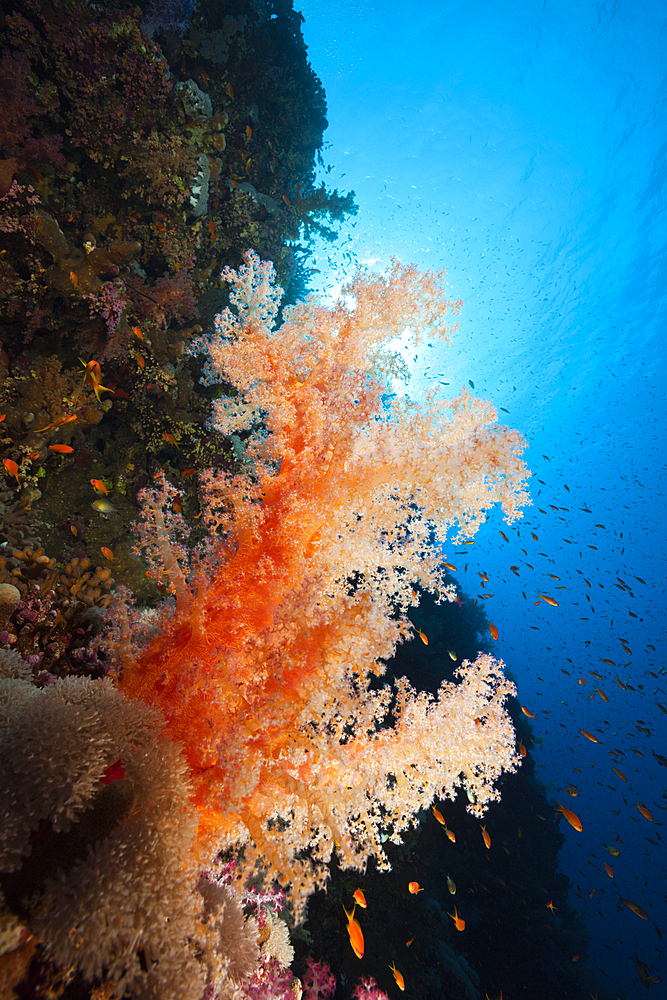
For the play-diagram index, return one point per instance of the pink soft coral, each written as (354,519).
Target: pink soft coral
(319,983)
(368,989)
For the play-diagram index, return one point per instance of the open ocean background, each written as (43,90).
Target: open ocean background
(523,147)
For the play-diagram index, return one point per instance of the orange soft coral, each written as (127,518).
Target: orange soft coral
(261,669)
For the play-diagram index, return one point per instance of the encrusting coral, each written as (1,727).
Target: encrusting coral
(262,666)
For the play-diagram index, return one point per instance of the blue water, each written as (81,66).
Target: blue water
(522,146)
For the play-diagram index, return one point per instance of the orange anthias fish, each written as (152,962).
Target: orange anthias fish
(589,736)
(644,811)
(12,468)
(549,600)
(438,815)
(634,907)
(93,374)
(459,923)
(423,637)
(493,630)
(486,838)
(450,834)
(609,870)
(58,423)
(354,930)
(360,898)
(400,982)
(99,486)
(106,552)
(61,449)
(526,712)
(414,888)
(571,817)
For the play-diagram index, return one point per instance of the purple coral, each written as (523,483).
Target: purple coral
(319,982)
(368,989)
(269,982)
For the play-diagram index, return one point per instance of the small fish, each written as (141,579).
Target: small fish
(106,552)
(589,736)
(550,906)
(170,439)
(12,468)
(459,923)
(471,383)
(230,90)
(414,888)
(140,360)
(99,486)
(620,774)
(104,506)
(438,815)
(621,684)
(522,750)
(451,885)
(644,811)
(634,907)
(571,790)
(526,712)
(398,977)
(486,838)
(114,772)
(248,132)
(423,637)
(504,536)
(73,278)
(93,374)
(571,817)
(360,898)
(61,422)
(61,449)
(493,630)
(452,655)
(450,834)
(355,932)
(137,332)
(549,600)
(609,870)
(449,566)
